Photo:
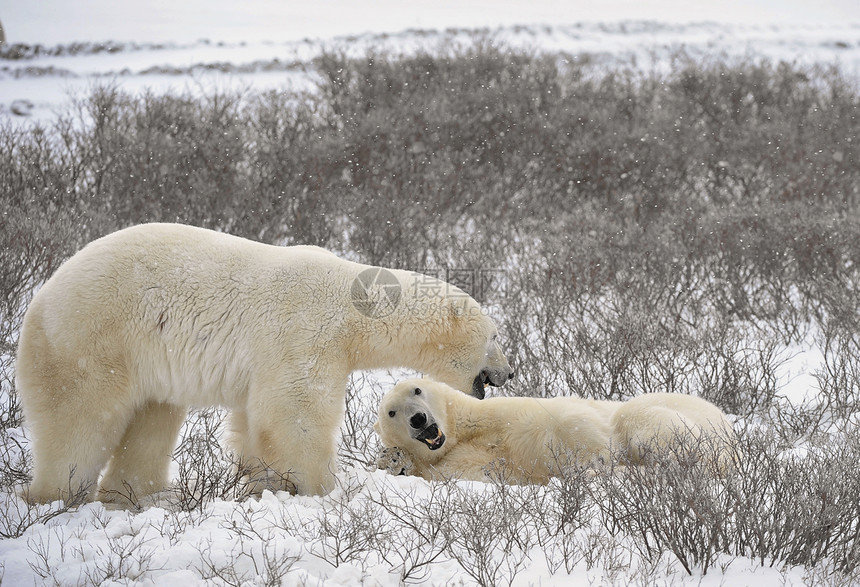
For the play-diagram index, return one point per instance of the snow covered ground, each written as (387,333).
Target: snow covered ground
(193,45)
(53,22)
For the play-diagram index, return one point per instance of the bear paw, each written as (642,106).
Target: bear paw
(394,461)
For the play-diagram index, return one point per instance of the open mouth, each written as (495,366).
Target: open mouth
(432,437)
(480,383)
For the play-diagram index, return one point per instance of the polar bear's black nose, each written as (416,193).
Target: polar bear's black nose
(418,420)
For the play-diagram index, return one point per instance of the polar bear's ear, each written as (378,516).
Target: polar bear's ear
(377,428)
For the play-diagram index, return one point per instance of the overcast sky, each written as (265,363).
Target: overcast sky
(62,21)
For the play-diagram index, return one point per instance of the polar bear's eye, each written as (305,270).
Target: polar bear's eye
(391,413)
(417,391)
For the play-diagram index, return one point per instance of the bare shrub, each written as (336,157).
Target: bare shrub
(655,232)
(257,553)
(487,532)
(558,514)
(359,444)
(123,558)
(674,503)
(33,243)
(119,557)
(797,509)
(347,528)
(737,370)
(16,513)
(416,523)
(839,376)
(207,471)
(794,422)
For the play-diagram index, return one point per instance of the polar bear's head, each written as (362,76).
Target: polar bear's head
(431,326)
(413,416)
(471,357)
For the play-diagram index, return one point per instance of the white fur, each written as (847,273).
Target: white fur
(147,321)
(530,437)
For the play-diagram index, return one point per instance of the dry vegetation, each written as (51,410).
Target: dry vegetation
(634,231)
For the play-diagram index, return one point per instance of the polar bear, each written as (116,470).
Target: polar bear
(143,323)
(434,432)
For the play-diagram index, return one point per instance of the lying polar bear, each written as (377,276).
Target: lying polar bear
(433,431)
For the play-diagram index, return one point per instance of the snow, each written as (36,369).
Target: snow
(267,44)
(196,47)
(247,542)
(54,22)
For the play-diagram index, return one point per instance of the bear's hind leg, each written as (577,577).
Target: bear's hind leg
(62,474)
(68,455)
(652,431)
(76,406)
(140,462)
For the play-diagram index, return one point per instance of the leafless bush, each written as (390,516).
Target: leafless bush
(799,510)
(123,557)
(737,370)
(33,243)
(839,376)
(16,513)
(556,515)
(257,553)
(207,471)
(359,444)
(347,529)
(46,555)
(416,524)
(675,502)
(666,264)
(15,465)
(805,421)
(175,523)
(487,532)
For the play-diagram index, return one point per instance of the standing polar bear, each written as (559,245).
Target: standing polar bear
(433,431)
(147,321)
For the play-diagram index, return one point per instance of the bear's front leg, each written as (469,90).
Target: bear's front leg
(464,461)
(291,442)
